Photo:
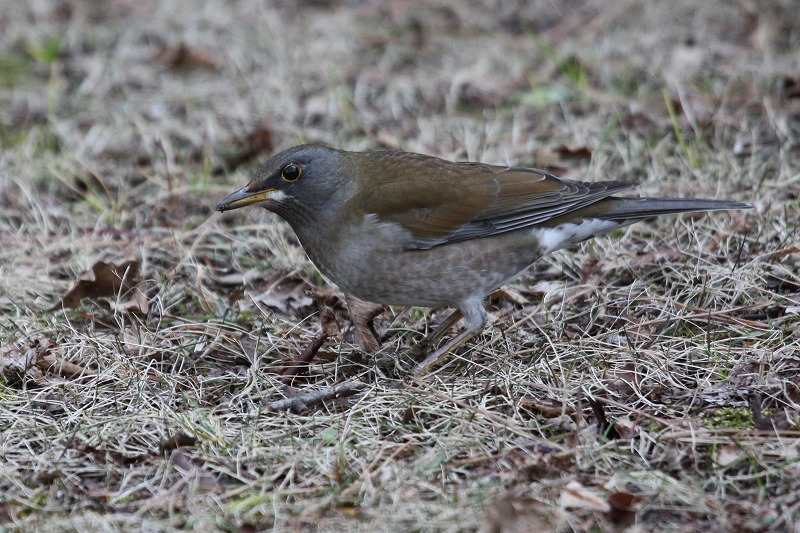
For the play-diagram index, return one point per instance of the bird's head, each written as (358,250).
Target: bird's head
(300,183)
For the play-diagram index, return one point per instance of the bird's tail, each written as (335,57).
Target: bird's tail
(634,209)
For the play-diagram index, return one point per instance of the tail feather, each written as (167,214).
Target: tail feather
(644,208)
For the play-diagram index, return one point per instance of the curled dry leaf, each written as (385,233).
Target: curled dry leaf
(779,255)
(509,294)
(109,280)
(37,360)
(760,421)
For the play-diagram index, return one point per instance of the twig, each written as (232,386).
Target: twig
(301,363)
(301,402)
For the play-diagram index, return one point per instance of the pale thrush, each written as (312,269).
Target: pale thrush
(407,229)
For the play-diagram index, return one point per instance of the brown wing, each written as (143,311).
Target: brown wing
(441,202)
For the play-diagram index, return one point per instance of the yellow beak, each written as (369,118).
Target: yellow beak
(243,197)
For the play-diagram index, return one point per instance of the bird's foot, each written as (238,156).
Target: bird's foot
(362,315)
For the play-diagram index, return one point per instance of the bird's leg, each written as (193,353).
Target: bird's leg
(362,315)
(443,328)
(475,318)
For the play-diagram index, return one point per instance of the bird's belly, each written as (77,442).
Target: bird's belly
(439,276)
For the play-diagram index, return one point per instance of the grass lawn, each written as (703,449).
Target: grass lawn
(647,380)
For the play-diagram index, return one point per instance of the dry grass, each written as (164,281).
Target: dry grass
(111,135)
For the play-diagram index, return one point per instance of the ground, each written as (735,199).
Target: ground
(643,381)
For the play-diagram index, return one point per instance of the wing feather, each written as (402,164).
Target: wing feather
(440,202)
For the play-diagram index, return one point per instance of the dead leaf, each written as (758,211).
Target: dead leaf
(576,496)
(784,253)
(604,427)
(348,509)
(287,294)
(183,56)
(624,379)
(137,303)
(176,441)
(518,515)
(37,360)
(49,363)
(15,363)
(206,480)
(623,508)
(509,295)
(106,279)
(565,151)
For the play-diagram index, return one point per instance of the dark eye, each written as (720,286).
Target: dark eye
(291,172)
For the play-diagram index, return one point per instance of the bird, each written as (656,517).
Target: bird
(406,229)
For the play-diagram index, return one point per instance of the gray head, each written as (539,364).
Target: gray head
(301,184)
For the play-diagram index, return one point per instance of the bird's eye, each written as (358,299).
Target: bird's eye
(291,172)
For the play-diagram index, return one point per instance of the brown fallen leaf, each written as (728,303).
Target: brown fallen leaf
(176,441)
(329,305)
(623,508)
(728,454)
(15,363)
(206,480)
(183,56)
(548,407)
(508,294)
(604,427)
(137,302)
(106,280)
(565,151)
(37,360)
(783,253)
(49,363)
(287,294)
